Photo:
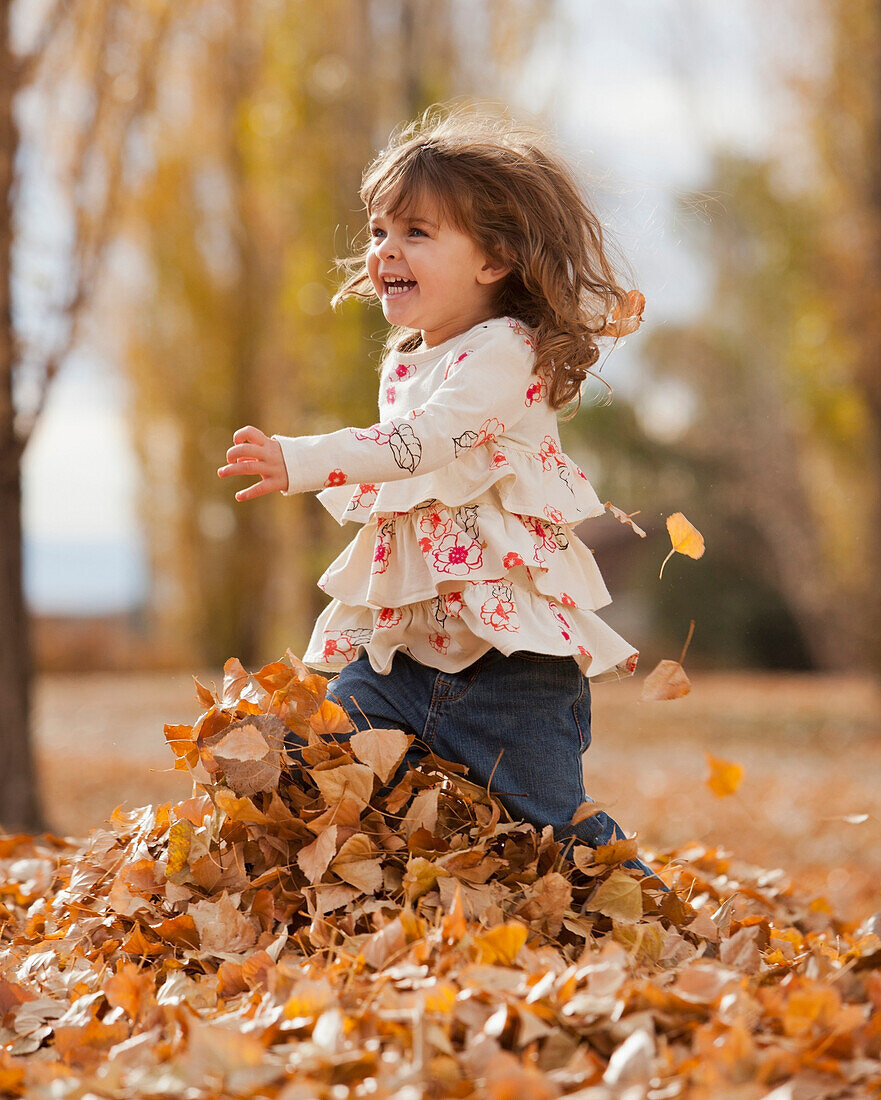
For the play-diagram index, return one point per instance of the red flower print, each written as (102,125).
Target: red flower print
(390,394)
(511,559)
(499,613)
(413,413)
(561,619)
(435,524)
(517,328)
(489,429)
(338,644)
(372,433)
(363,496)
(381,554)
(567,600)
(551,537)
(455,363)
(453,604)
(553,514)
(549,450)
(499,459)
(536,391)
(335,477)
(458,557)
(388,617)
(439,641)
(584,652)
(630,663)
(425,545)
(404,370)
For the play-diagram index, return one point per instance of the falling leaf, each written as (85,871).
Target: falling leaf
(627,320)
(725,776)
(625,517)
(667,680)
(685,537)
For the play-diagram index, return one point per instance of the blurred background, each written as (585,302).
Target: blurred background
(180,178)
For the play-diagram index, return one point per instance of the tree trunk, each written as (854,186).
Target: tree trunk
(19,802)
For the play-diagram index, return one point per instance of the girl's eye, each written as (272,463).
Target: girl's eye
(375,231)
(413,229)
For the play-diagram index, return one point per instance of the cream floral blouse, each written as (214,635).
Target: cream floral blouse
(467,503)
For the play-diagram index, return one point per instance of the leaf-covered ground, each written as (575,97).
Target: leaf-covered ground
(296,928)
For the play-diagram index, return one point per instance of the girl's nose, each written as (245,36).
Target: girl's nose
(388,248)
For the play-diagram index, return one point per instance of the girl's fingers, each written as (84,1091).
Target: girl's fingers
(244,450)
(258,490)
(249,434)
(236,469)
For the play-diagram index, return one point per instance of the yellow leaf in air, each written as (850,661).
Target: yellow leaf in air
(685,537)
(724,777)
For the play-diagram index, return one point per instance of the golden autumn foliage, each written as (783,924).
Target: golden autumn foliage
(309,931)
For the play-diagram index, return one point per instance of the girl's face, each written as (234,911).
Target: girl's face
(428,274)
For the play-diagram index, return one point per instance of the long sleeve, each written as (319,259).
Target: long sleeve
(483,394)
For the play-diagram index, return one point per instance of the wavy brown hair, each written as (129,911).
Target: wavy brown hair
(500,183)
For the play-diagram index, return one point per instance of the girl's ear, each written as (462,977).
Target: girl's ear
(492,271)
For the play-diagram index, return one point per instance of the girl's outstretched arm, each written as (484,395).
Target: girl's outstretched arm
(483,395)
(254,454)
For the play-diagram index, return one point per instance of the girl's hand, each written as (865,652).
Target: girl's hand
(256,454)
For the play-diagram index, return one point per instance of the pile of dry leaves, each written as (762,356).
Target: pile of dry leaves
(300,928)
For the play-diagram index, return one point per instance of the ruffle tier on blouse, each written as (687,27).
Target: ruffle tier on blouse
(543,482)
(479,555)
(453,630)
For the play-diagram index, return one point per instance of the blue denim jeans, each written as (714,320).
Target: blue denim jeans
(527,716)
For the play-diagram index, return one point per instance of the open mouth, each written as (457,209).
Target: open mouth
(394,287)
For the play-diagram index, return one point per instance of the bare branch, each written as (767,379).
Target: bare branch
(93,233)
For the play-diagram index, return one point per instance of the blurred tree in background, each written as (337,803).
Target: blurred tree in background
(781,462)
(74,81)
(267,115)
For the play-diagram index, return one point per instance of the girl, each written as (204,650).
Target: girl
(463,611)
